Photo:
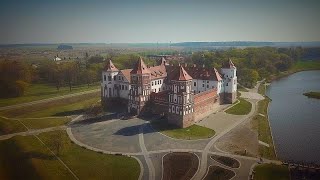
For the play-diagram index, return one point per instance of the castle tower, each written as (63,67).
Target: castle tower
(140,87)
(181,102)
(108,81)
(229,72)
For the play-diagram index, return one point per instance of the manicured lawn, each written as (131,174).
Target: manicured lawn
(27,158)
(39,123)
(312,95)
(191,132)
(43,91)
(261,125)
(61,107)
(271,172)
(8,126)
(242,108)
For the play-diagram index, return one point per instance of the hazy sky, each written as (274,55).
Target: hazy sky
(61,21)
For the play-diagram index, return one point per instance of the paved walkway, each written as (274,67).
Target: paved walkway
(137,139)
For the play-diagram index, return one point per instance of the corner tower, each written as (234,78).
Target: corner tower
(108,81)
(139,93)
(181,104)
(229,72)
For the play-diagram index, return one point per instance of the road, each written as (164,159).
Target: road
(47,100)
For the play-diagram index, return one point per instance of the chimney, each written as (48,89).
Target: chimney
(185,65)
(194,65)
(203,65)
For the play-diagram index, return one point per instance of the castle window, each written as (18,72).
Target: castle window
(207,85)
(114,77)
(105,77)
(173,110)
(202,85)
(122,78)
(122,87)
(195,84)
(227,84)
(152,83)
(119,78)
(126,87)
(207,81)
(160,82)
(159,89)
(109,78)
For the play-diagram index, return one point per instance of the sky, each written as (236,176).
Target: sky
(151,21)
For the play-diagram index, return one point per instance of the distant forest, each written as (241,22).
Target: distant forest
(253,63)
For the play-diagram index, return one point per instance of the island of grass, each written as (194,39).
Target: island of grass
(190,133)
(230,162)
(180,165)
(32,160)
(271,171)
(312,94)
(241,108)
(217,173)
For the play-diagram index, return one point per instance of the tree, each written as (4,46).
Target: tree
(57,142)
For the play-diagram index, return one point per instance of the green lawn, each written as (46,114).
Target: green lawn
(8,126)
(271,172)
(61,107)
(306,65)
(192,132)
(43,91)
(262,89)
(39,123)
(312,94)
(27,158)
(242,108)
(261,125)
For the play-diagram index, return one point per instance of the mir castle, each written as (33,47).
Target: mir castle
(184,94)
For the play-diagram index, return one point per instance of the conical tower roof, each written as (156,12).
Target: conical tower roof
(140,68)
(110,66)
(181,75)
(228,64)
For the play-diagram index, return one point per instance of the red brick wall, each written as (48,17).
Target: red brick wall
(205,103)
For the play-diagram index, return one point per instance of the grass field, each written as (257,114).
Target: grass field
(27,158)
(43,91)
(8,126)
(38,116)
(271,172)
(242,108)
(261,125)
(61,107)
(191,132)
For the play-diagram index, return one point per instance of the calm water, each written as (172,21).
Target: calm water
(295,118)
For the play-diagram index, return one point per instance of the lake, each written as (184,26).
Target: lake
(295,118)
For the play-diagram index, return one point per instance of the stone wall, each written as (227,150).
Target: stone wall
(205,103)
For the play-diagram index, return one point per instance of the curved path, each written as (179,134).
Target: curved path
(136,138)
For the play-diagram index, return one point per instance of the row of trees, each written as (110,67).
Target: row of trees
(252,63)
(14,78)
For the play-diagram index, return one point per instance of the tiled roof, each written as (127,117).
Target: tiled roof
(228,64)
(110,67)
(140,68)
(126,74)
(158,71)
(181,75)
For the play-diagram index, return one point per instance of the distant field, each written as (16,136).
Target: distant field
(44,91)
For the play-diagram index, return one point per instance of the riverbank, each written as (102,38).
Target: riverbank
(297,67)
(261,124)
